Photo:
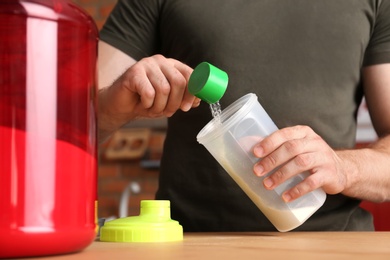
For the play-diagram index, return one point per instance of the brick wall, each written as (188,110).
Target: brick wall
(98,9)
(116,174)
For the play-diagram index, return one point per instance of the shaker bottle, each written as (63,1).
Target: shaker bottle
(230,139)
(48,149)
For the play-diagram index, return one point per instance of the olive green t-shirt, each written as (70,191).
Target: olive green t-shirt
(302,58)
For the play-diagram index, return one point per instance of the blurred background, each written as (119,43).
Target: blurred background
(129,160)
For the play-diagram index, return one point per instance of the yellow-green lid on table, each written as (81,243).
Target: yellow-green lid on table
(154,224)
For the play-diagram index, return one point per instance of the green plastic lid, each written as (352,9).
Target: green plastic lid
(208,82)
(154,224)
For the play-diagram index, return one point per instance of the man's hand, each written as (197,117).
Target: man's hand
(298,149)
(152,87)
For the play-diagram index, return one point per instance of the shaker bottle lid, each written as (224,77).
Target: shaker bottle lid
(208,82)
(154,224)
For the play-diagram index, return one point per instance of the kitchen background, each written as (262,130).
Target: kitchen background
(128,166)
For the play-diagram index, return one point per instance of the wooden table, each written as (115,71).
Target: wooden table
(243,246)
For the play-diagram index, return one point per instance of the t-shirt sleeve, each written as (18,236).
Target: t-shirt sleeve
(132,27)
(378,50)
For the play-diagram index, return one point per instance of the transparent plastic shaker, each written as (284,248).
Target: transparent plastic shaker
(231,138)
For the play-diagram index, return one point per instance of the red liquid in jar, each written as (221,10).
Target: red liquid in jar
(48,162)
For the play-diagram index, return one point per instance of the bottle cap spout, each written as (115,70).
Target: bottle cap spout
(154,224)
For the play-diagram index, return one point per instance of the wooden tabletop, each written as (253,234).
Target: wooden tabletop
(242,246)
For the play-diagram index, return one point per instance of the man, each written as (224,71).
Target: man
(309,62)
